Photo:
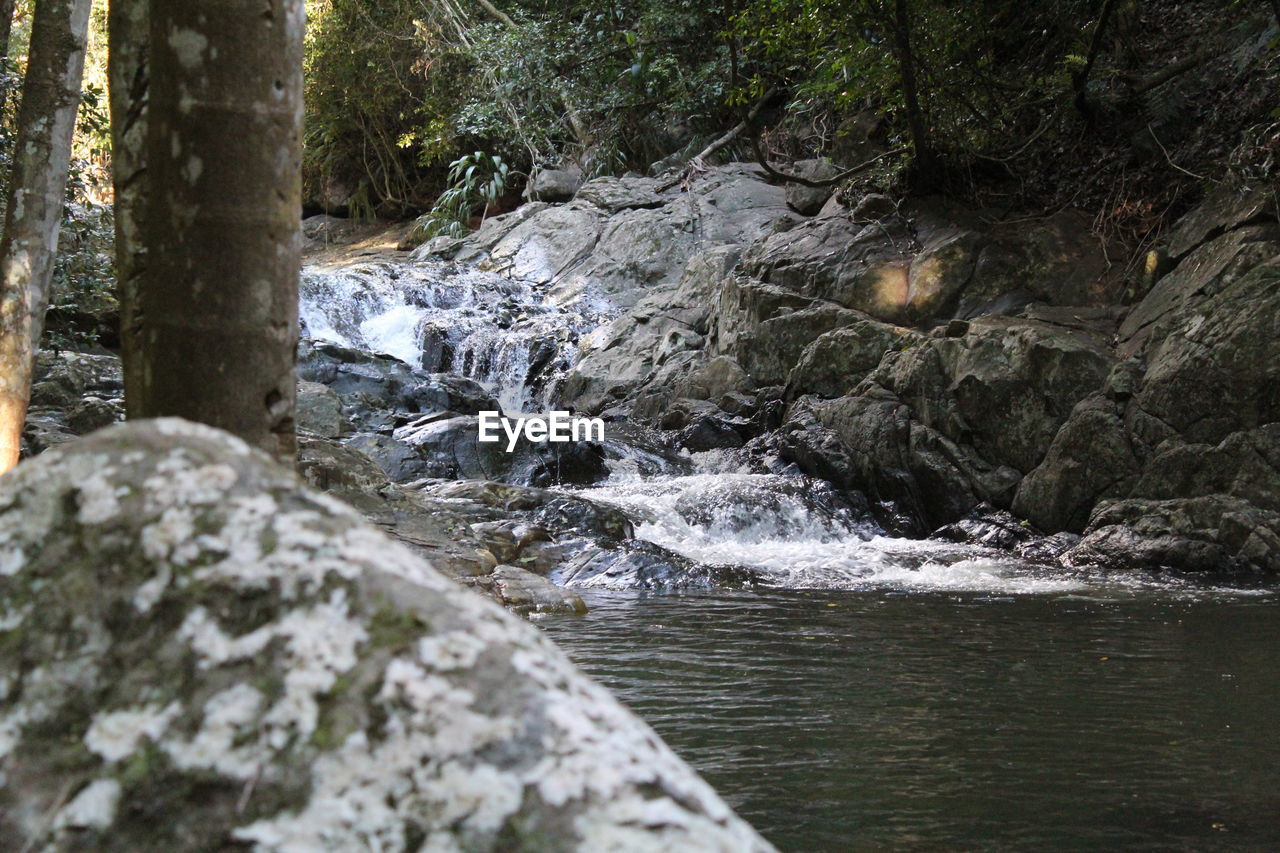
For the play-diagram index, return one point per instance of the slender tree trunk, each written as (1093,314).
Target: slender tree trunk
(46,122)
(6,25)
(127,49)
(1080,78)
(222,187)
(6,30)
(926,158)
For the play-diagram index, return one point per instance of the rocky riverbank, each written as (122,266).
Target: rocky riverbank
(948,364)
(950,373)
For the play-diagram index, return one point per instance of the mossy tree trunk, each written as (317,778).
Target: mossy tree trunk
(127,68)
(216,319)
(46,121)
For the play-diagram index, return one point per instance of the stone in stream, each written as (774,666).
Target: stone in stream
(200,653)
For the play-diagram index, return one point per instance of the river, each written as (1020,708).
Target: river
(873,692)
(837,720)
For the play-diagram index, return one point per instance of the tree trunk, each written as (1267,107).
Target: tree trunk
(6,26)
(6,30)
(127,66)
(222,187)
(46,122)
(1080,78)
(925,157)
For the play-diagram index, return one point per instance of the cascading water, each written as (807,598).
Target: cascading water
(503,333)
(512,338)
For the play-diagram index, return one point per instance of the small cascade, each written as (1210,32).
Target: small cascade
(800,533)
(498,331)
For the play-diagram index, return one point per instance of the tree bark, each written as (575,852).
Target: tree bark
(46,122)
(6,25)
(219,288)
(127,69)
(926,158)
(1080,79)
(7,8)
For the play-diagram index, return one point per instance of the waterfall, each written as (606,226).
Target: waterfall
(503,333)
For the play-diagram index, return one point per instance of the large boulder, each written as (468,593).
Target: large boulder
(1213,534)
(622,239)
(653,344)
(809,200)
(836,362)
(202,654)
(554,185)
(1218,369)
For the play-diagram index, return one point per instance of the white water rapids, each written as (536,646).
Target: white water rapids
(795,532)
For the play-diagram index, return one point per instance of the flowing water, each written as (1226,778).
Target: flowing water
(874,692)
(506,334)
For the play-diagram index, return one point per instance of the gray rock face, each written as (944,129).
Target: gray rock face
(838,360)
(1218,369)
(1179,439)
(655,343)
(554,185)
(1092,457)
(615,194)
(624,238)
(202,654)
(1210,533)
(809,200)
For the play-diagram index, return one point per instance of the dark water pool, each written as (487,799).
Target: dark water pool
(842,720)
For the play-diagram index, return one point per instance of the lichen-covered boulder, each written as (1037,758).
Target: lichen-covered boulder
(199,653)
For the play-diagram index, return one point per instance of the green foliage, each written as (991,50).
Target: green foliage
(475,179)
(398,89)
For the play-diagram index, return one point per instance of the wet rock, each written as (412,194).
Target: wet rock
(525,592)
(990,527)
(319,411)
(202,652)
(714,432)
(380,393)
(644,565)
(1210,533)
(448,446)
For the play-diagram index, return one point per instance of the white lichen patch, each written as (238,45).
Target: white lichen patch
(176,483)
(116,734)
(98,499)
(12,559)
(226,715)
(189,47)
(93,808)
